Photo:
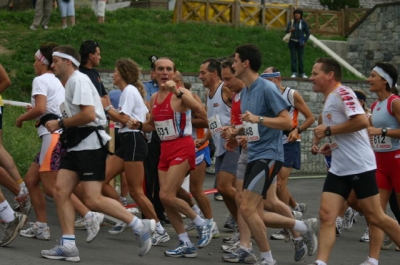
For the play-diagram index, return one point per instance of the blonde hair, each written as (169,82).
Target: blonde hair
(130,73)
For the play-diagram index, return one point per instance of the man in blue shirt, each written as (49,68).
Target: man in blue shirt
(264,117)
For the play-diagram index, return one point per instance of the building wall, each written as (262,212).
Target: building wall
(311,164)
(376,39)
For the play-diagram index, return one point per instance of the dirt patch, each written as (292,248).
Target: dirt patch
(4,51)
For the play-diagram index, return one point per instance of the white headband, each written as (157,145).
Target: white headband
(41,57)
(67,56)
(384,75)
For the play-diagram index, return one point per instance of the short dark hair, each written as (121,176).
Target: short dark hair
(213,65)
(228,64)
(251,53)
(391,70)
(298,11)
(87,47)
(47,50)
(331,65)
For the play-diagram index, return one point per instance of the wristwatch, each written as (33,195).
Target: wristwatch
(180,94)
(261,119)
(298,129)
(106,109)
(328,131)
(384,131)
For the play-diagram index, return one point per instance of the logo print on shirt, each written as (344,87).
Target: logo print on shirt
(178,159)
(215,105)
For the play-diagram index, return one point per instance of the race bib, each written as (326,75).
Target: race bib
(166,130)
(251,131)
(381,142)
(214,123)
(65,111)
(332,142)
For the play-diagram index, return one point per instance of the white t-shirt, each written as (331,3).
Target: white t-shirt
(49,86)
(132,104)
(353,154)
(79,90)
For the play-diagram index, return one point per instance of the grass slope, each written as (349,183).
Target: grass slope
(133,33)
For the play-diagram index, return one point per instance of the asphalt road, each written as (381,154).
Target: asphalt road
(122,249)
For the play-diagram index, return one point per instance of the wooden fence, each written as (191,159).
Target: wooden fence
(237,13)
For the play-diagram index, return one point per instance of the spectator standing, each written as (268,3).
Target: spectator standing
(300,34)
(43,9)
(67,9)
(99,8)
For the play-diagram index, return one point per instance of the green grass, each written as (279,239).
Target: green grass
(133,33)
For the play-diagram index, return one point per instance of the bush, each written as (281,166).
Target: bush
(340,4)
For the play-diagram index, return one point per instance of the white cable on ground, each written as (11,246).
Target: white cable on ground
(336,57)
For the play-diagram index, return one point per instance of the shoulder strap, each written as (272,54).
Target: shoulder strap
(290,96)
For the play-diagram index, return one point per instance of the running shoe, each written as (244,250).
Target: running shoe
(62,252)
(240,255)
(310,236)
(35,231)
(12,228)
(339,225)
(230,223)
(230,248)
(118,228)
(348,219)
(160,238)
(387,243)
(365,236)
(300,249)
(182,250)
(144,237)
(303,208)
(215,232)
(265,262)
(93,226)
(366,262)
(190,225)
(279,234)
(205,233)
(80,223)
(231,240)
(297,215)
(24,202)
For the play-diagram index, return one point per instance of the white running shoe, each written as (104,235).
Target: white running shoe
(35,231)
(160,238)
(80,223)
(348,219)
(190,225)
(310,236)
(365,236)
(93,226)
(144,237)
(297,215)
(62,252)
(215,231)
(10,230)
(339,225)
(118,228)
(205,233)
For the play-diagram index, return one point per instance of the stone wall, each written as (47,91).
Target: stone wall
(315,4)
(376,39)
(310,164)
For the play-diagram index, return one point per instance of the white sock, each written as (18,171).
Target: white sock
(6,212)
(23,189)
(267,256)
(41,225)
(185,239)
(299,226)
(319,262)
(196,209)
(198,221)
(136,224)
(68,241)
(373,261)
(89,216)
(159,228)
